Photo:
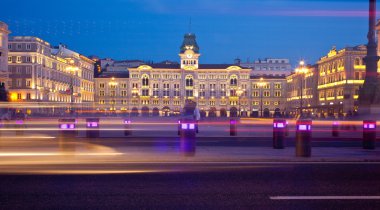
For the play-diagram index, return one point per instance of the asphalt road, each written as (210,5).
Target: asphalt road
(207,186)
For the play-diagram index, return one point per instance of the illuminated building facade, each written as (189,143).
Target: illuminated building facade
(268,95)
(161,89)
(340,75)
(329,88)
(4,53)
(304,82)
(112,92)
(39,72)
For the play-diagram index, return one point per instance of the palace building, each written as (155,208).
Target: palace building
(162,89)
(41,73)
(340,75)
(329,88)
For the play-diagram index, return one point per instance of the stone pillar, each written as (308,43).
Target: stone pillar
(4,75)
(369,98)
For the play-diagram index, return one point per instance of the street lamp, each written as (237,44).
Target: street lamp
(261,84)
(72,70)
(113,85)
(239,92)
(302,70)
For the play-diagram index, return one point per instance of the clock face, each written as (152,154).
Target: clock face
(189,55)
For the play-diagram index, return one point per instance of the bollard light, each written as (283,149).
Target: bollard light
(369,125)
(184,126)
(279,126)
(187,132)
(302,127)
(233,130)
(335,129)
(65,124)
(127,127)
(92,125)
(369,134)
(303,138)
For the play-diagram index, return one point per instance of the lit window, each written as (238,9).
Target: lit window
(28,83)
(255,94)
(277,93)
(266,93)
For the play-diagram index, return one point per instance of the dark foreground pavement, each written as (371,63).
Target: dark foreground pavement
(228,186)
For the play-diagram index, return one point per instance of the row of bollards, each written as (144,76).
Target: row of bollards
(67,128)
(187,130)
(303,135)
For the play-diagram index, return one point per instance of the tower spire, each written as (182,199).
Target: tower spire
(190,26)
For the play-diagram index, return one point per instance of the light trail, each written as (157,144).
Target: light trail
(341,197)
(39,154)
(29,137)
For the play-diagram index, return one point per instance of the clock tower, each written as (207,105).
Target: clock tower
(189,53)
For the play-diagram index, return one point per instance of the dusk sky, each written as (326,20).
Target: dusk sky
(225,29)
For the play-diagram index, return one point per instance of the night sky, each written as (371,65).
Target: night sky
(225,29)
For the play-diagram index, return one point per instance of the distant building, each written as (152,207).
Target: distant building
(268,66)
(268,95)
(4,54)
(106,62)
(123,65)
(305,83)
(112,92)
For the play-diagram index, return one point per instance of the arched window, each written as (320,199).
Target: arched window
(145,80)
(233,80)
(189,81)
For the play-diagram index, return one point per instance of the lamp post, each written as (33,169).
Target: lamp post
(113,85)
(239,92)
(302,70)
(261,84)
(73,70)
